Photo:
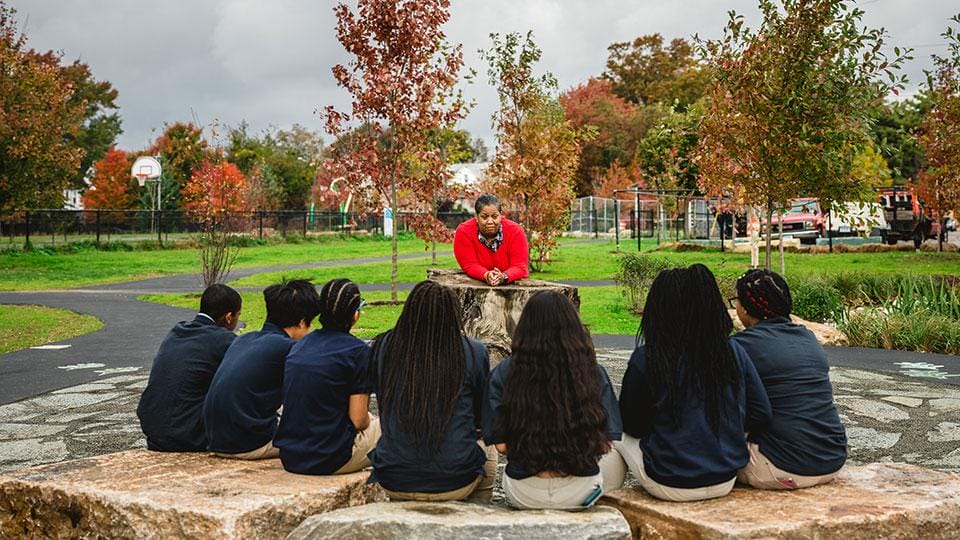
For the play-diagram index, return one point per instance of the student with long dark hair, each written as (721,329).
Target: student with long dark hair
(550,407)
(326,426)
(805,443)
(429,381)
(689,393)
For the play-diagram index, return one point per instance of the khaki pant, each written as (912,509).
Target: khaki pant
(267,451)
(630,450)
(481,489)
(761,473)
(363,443)
(566,492)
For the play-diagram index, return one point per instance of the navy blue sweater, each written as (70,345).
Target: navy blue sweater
(805,435)
(688,454)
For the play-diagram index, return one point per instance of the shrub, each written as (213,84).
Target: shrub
(926,294)
(815,299)
(635,275)
(922,331)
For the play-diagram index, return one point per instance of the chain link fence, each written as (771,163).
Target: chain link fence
(663,219)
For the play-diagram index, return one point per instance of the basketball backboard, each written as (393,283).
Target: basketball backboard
(145,168)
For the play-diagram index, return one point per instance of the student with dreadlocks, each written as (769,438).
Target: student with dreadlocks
(689,393)
(429,381)
(326,427)
(805,443)
(550,407)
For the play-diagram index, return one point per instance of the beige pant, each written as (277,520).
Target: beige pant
(565,492)
(267,451)
(363,443)
(481,489)
(629,448)
(761,473)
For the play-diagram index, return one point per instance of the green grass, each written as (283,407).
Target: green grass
(604,310)
(28,326)
(375,318)
(43,270)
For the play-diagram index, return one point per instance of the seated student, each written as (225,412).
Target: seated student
(326,426)
(490,247)
(171,406)
(240,412)
(689,393)
(550,407)
(805,443)
(430,380)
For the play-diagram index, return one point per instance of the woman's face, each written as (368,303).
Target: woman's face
(489,220)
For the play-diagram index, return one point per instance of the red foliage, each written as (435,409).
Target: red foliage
(617,177)
(112,185)
(216,188)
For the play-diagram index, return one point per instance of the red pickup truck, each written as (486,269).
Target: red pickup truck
(802,219)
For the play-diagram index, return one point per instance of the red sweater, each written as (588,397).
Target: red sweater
(476,259)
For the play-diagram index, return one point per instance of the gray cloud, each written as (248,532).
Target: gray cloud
(269,62)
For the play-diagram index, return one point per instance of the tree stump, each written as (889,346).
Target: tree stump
(490,314)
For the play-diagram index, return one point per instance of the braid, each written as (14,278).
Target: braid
(419,366)
(339,300)
(764,294)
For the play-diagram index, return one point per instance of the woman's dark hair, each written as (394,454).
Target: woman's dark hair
(485,200)
(764,294)
(339,302)
(290,302)
(553,417)
(686,328)
(218,299)
(420,364)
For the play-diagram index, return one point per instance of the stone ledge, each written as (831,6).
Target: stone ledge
(454,520)
(891,501)
(143,494)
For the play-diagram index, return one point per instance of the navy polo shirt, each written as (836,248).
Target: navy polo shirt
(688,454)
(805,435)
(323,370)
(171,407)
(399,466)
(494,411)
(240,412)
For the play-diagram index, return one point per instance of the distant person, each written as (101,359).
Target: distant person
(171,407)
(689,393)
(240,412)
(430,381)
(551,409)
(326,427)
(804,444)
(490,247)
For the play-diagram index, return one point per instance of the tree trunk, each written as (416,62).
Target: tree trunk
(433,252)
(769,231)
(783,266)
(394,248)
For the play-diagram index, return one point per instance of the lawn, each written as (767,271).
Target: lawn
(28,326)
(41,269)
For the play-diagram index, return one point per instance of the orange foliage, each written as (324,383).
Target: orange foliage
(112,185)
(216,188)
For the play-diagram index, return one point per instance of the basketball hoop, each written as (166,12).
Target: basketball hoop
(145,168)
(141,179)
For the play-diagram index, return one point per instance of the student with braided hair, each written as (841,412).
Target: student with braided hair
(805,443)
(430,381)
(326,427)
(689,393)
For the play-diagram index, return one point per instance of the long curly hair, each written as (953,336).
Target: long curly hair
(686,328)
(422,371)
(554,420)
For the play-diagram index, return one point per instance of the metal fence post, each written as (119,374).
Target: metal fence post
(596,226)
(304,223)
(260,212)
(98,227)
(27,242)
(160,227)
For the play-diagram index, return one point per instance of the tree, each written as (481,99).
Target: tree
(454,145)
(215,192)
(619,125)
(644,72)
(894,130)
(402,79)
(790,105)
(112,186)
(100,128)
(940,132)
(538,150)
(39,119)
(182,149)
(617,177)
(870,168)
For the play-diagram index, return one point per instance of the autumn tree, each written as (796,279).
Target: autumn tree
(940,132)
(402,78)
(182,149)
(790,105)
(870,167)
(280,163)
(894,131)
(644,71)
(620,126)
(215,193)
(111,184)
(538,149)
(38,119)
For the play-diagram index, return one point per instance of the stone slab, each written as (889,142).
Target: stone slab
(455,520)
(143,494)
(890,501)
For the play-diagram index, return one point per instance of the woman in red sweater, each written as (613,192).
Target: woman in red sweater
(490,247)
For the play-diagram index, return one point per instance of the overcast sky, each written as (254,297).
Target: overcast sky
(268,61)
